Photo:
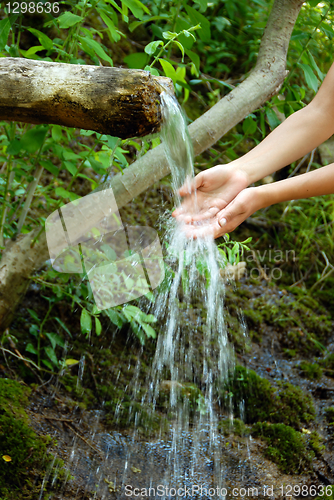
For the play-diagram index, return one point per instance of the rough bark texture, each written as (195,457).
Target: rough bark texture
(115,101)
(262,83)
(18,263)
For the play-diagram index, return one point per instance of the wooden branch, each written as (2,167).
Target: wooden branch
(115,101)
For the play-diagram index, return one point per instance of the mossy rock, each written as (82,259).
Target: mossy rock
(285,403)
(23,454)
(286,447)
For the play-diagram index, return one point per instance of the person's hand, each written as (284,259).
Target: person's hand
(226,220)
(210,192)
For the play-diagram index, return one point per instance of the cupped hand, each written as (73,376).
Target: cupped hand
(209,193)
(226,220)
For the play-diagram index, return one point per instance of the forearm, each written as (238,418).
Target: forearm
(296,136)
(316,183)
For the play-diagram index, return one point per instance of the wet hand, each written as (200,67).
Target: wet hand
(209,193)
(226,220)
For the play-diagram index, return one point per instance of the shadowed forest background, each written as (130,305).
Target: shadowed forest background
(62,361)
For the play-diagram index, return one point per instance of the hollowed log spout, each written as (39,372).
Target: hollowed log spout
(115,101)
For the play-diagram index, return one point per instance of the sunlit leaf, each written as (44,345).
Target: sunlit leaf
(85,322)
(68,19)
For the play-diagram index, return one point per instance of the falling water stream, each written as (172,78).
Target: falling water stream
(191,362)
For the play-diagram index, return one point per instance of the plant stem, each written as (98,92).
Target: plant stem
(40,334)
(9,180)
(31,191)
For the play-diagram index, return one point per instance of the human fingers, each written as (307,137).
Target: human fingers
(191,186)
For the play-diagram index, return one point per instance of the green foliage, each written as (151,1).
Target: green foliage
(286,403)
(286,447)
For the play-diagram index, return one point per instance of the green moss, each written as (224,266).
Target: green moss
(290,353)
(285,403)
(315,442)
(28,459)
(312,371)
(329,412)
(233,426)
(328,493)
(286,447)
(328,364)
(257,393)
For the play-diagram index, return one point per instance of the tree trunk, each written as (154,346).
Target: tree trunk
(115,101)
(262,83)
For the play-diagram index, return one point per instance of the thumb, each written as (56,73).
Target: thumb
(189,187)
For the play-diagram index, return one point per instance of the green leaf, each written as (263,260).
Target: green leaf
(4,32)
(32,140)
(202,3)
(34,315)
(98,327)
(272,118)
(85,322)
(70,167)
(137,60)
(43,38)
(56,133)
(55,340)
(63,193)
(168,35)
(153,71)
(14,147)
(198,18)
(48,364)
(135,24)
(310,78)
(249,126)
(151,48)
(113,33)
(168,69)
(115,317)
(68,19)
(137,8)
(180,47)
(63,326)
(96,48)
(49,166)
(31,348)
(51,354)
(150,332)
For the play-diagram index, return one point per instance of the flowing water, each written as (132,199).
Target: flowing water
(193,354)
(190,366)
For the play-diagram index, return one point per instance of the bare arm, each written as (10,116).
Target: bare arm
(296,136)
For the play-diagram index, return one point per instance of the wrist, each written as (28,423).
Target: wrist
(263,196)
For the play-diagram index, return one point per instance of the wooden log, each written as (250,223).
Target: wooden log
(115,101)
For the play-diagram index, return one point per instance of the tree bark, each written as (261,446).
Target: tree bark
(262,83)
(115,101)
